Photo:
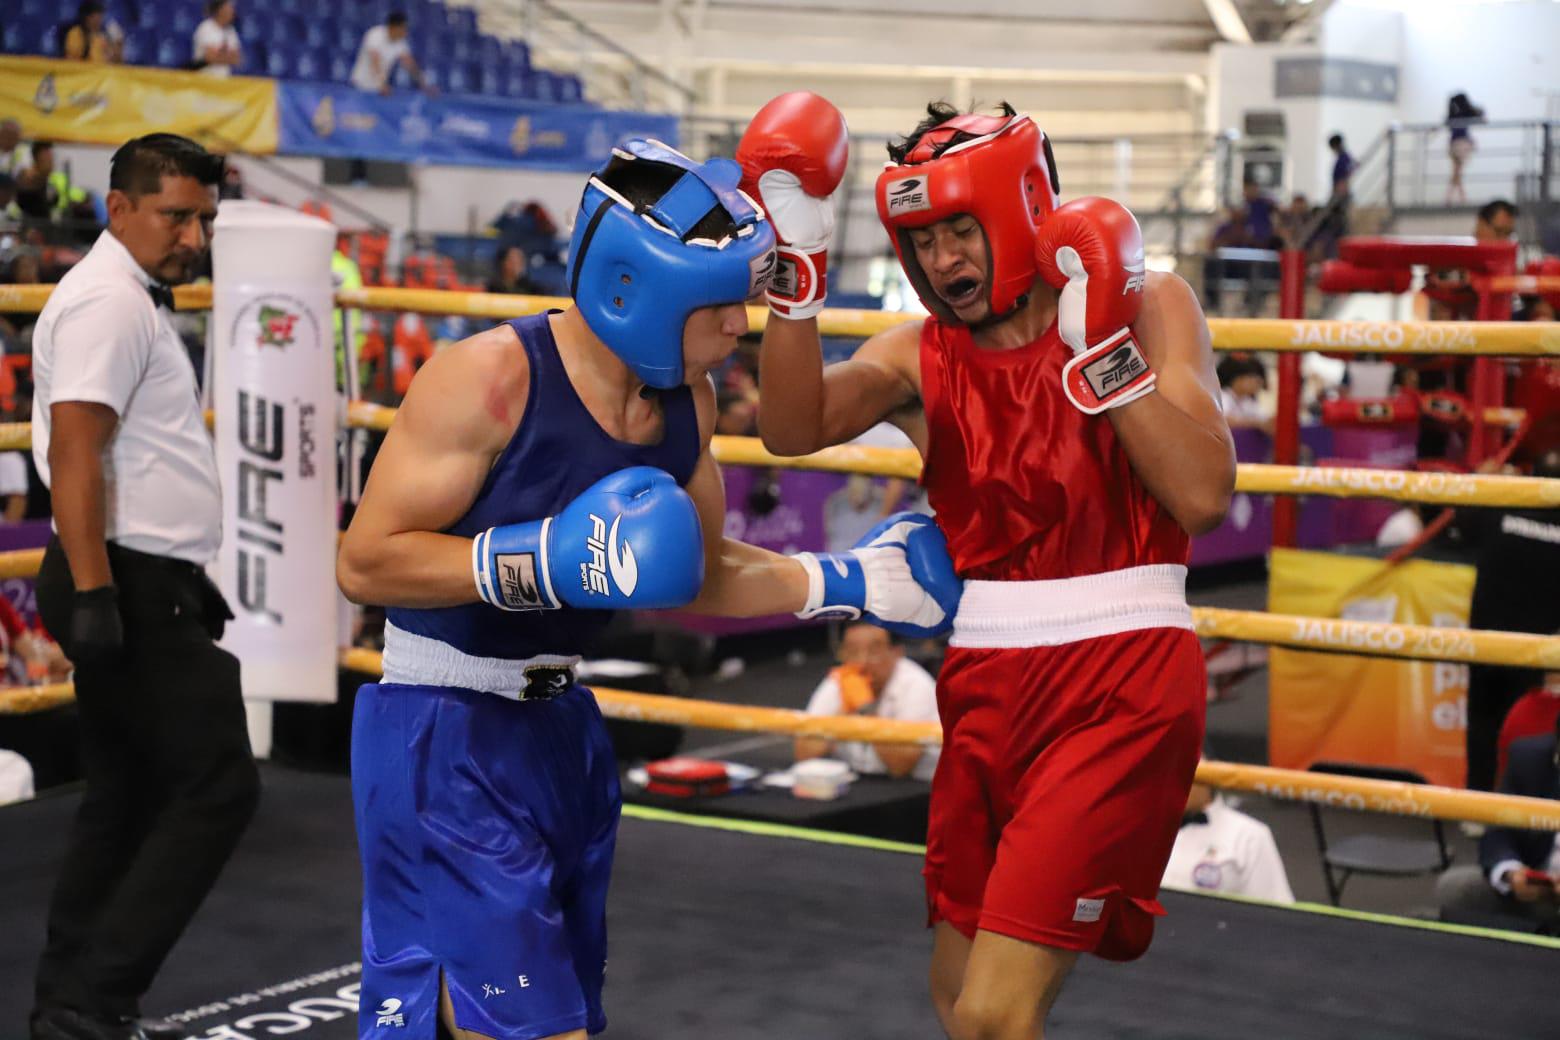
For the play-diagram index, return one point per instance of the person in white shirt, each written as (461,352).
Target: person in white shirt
(119,439)
(13,486)
(216,47)
(875,678)
(382,48)
(1221,849)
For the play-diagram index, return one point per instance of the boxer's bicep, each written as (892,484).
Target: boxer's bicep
(427,475)
(878,381)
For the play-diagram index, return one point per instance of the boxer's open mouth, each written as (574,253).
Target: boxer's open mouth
(961,292)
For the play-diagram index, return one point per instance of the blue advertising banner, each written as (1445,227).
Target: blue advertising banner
(326,119)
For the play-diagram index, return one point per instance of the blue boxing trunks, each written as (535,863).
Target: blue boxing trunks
(486,828)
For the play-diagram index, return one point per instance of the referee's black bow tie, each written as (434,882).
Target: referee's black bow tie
(1193,817)
(162,296)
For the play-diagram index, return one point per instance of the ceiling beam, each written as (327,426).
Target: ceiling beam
(1226,18)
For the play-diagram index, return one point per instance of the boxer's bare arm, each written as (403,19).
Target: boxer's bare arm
(805,407)
(740,580)
(1176,438)
(461,410)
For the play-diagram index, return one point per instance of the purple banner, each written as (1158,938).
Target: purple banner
(28,534)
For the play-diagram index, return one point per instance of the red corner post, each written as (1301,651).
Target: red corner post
(1286,434)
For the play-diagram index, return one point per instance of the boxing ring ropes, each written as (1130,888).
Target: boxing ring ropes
(1289,337)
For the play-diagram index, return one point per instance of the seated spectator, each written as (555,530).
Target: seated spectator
(216,50)
(1242,383)
(8,207)
(513,274)
(14,156)
(383,47)
(16,777)
(45,193)
(16,327)
(1221,849)
(735,415)
(1535,714)
(1514,885)
(13,486)
(89,38)
(875,678)
(1261,217)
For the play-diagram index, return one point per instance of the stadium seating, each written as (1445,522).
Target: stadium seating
(297,39)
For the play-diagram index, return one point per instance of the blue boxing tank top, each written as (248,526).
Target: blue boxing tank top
(557,452)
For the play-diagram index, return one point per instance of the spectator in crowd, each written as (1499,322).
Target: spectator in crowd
(875,678)
(46,193)
(16,778)
(1242,382)
(384,47)
(1221,849)
(513,274)
(14,155)
(13,487)
(1291,222)
(1343,167)
(1515,882)
(1229,233)
(735,415)
(88,36)
(216,48)
(1535,714)
(1496,221)
(1260,213)
(1460,115)
(1517,572)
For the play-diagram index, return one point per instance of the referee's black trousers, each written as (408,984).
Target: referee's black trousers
(170,781)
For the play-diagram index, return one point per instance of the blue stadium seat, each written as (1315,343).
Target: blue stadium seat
(518,54)
(434,46)
(140,46)
(466,78)
(464,20)
(254,58)
(181,21)
(519,83)
(39,10)
(298,7)
(570,90)
(285,29)
(463,49)
(494,78)
(280,63)
(313,63)
(173,52)
(544,85)
(341,67)
(489,48)
(320,31)
(349,34)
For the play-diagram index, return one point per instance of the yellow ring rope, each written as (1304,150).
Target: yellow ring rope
(1453,489)
(1400,799)
(1439,338)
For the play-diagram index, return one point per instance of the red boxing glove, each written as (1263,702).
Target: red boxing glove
(1092,250)
(793,157)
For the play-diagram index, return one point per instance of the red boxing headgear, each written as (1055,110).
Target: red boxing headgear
(1003,176)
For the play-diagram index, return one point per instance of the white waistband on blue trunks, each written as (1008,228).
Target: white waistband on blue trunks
(996,614)
(414,660)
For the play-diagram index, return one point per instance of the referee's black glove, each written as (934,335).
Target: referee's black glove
(96,632)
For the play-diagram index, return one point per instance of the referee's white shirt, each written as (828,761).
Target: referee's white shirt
(910,694)
(101,339)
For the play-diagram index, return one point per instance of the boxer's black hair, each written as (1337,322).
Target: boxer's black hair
(643,182)
(139,165)
(937,113)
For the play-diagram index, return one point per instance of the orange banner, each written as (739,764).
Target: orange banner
(1339,707)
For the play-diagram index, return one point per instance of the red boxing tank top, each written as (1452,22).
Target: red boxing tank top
(1025,486)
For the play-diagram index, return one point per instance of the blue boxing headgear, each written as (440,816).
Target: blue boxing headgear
(637,270)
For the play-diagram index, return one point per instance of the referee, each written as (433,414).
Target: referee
(119,439)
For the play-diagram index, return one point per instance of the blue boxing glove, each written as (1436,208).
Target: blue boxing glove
(899,576)
(632,539)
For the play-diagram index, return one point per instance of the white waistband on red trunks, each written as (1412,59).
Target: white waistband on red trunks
(1066,610)
(414,660)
